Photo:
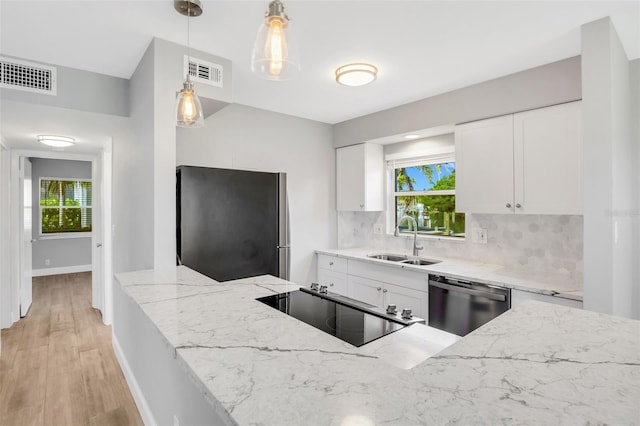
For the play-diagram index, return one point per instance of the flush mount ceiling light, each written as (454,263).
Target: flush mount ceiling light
(357,74)
(188,106)
(56,141)
(274,55)
(411,136)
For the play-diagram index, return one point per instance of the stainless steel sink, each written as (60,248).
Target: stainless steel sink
(420,261)
(388,257)
(399,258)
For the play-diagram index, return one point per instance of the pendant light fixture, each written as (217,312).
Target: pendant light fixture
(188,106)
(274,54)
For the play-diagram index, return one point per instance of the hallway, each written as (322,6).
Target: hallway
(57,365)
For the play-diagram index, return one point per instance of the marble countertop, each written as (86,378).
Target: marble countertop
(536,364)
(540,282)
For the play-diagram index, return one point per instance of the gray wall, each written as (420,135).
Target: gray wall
(241,137)
(133,185)
(609,196)
(542,86)
(145,159)
(60,251)
(635,212)
(80,90)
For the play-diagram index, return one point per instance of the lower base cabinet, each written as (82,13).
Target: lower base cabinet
(335,281)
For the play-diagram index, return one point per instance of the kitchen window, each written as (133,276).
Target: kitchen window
(65,206)
(425,189)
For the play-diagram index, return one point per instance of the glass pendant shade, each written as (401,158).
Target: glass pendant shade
(188,107)
(274,54)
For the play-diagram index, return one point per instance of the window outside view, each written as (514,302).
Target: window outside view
(65,206)
(426,192)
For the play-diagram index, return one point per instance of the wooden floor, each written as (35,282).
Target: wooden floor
(57,365)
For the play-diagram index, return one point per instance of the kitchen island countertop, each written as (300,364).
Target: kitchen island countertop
(536,364)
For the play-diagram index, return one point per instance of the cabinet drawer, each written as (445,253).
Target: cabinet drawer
(332,263)
(401,277)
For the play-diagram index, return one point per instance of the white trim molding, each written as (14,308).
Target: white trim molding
(134,387)
(61,270)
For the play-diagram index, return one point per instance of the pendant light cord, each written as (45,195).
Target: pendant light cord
(188,41)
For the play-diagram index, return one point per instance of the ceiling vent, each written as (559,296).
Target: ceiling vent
(27,76)
(202,71)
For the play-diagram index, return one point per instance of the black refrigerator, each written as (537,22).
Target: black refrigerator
(232,224)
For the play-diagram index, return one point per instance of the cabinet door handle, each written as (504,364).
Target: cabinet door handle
(330,263)
(379,288)
(331,285)
(508,205)
(518,205)
(385,290)
(361,206)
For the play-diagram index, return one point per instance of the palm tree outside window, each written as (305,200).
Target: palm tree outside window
(65,206)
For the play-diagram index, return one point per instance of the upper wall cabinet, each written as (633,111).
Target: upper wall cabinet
(360,178)
(524,163)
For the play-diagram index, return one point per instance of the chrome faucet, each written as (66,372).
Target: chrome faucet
(416,247)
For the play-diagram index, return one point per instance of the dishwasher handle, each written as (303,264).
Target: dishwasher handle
(471,292)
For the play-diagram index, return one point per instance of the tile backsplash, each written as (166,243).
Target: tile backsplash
(536,243)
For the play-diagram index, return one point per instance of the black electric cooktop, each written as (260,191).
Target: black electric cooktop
(348,323)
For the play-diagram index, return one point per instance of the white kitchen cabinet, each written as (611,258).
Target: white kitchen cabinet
(417,301)
(360,178)
(336,282)
(519,296)
(484,166)
(406,289)
(332,272)
(524,163)
(366,290)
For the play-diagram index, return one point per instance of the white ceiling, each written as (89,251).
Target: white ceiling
(421,48)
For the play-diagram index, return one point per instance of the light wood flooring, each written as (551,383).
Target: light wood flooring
(57,365)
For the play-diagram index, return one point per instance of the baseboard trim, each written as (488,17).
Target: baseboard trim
(136,392)
(61,270)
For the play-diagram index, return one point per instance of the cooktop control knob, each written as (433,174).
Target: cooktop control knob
(406,313)
(314,286)
(323,289)
(392,309)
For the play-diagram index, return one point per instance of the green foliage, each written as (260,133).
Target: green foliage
(58,207)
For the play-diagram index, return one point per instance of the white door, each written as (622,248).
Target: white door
(96,237)
(417,301)
(27,236)
(548,160)
(484,166)
(366,290)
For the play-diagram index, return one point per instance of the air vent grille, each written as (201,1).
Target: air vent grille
(26,76)
(203,72)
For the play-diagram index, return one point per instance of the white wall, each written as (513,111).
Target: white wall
(241,137)
(5,275)
(609,197)
(635,212)
(61,252)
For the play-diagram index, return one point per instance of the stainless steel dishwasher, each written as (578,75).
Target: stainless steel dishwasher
(459,306)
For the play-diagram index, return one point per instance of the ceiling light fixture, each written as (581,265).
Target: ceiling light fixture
(274,55)
(411,136)
(357,74)
(188,106)
(56,141)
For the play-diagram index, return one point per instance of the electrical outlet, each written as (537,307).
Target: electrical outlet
(47,262)
(479,236)
(377,228)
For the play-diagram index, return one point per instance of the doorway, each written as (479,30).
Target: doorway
(97,241)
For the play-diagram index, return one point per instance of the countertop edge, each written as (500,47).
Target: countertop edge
(433,269)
